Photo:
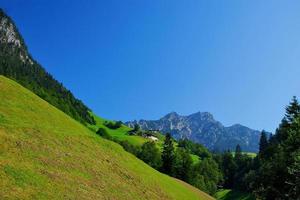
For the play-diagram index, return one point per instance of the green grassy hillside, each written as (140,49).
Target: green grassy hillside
(121,134)
(45,154)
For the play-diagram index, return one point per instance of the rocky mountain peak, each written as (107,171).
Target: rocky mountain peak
(171,115)
(10,36)
(8,33)
(201,127)
(202,116)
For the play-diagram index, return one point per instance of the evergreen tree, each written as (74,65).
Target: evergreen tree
(238,152)
(229,168)
(168,155)
(263,142)
(278,171)
(183,164)
(293,110)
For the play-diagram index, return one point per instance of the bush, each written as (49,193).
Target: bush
(103,133)
(113,125)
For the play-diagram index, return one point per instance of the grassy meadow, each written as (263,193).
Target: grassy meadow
(45,154)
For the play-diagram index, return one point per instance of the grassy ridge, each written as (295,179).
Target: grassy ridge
(45,154)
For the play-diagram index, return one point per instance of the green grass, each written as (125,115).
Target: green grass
(118,134)
(45,154)
(250,154)
(233,195)
(121,134)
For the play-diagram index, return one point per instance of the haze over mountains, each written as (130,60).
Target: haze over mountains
(201,127)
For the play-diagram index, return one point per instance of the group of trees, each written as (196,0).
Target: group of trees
(204,174)
(275,172)
(17,64)
(235,167)
(277,175)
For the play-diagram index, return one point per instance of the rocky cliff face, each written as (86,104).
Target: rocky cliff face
(10,37)
(201,127)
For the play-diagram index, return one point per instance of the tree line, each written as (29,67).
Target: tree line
(273,174)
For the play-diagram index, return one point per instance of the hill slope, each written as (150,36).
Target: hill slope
(16,63)
(45,154)
(201,127)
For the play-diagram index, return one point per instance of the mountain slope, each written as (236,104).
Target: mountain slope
(201,127)
(16,63)
(45,154)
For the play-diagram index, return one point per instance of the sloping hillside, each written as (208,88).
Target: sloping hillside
(45,154)
(17,64)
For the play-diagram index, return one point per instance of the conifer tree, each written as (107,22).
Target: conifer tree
(292,110)
(168,155)
(263,142)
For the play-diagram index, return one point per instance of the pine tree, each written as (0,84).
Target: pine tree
(229,168)
(263,142)
(238,152)
(292,110)
(168,155)
(183,164)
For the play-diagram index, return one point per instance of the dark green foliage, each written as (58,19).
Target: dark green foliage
(17,64)
(150,154)
(263,142)
(136,128)
(168,155)
(277,175)
(238,153)
(229,168)
(113,125)
(103,133)
(183,164)
(194,148)
(135,150)
(293,179)
(292,110)
(275,172)
(206,175)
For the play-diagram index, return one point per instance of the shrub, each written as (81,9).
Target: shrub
(103,133)
(113,125)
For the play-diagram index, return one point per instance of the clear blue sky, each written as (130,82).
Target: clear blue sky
(239,60)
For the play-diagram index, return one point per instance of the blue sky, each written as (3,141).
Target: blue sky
(138,59)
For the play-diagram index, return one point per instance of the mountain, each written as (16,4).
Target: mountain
(17,64)
(201,127)
(45,154)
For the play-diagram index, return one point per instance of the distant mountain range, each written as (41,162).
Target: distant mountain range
(201,127)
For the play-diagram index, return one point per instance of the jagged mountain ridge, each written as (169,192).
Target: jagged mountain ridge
(17,63)
(201,127)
